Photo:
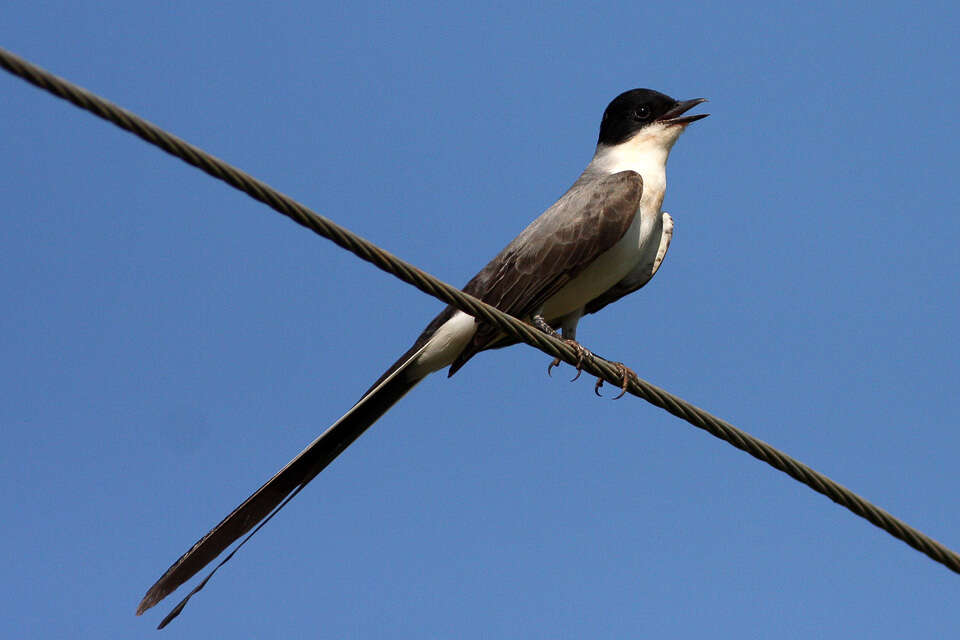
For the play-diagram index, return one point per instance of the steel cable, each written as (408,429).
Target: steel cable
(410,274)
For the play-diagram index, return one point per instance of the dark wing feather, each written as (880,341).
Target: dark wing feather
(586,221)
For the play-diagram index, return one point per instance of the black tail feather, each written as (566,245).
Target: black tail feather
(276,492)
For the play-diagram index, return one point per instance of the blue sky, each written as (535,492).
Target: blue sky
(167,343)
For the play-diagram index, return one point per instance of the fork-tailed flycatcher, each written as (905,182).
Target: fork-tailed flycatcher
(603,239)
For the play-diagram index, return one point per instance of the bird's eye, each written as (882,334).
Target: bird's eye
(642,112)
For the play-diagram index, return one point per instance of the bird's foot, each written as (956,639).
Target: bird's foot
(582,354)
(626,374)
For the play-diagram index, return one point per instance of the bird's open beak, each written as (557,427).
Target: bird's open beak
(675,115)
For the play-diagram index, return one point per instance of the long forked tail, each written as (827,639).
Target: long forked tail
(286,483)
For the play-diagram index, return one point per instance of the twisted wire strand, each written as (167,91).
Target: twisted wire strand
(430,285)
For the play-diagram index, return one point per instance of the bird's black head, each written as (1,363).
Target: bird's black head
(638,108)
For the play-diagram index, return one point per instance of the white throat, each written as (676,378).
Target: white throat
(646,153)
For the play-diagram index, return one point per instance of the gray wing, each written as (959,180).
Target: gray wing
(640,276)
(586,221)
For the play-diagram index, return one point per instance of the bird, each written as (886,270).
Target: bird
(603,239)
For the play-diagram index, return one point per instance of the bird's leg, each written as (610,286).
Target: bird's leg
(626,374)
(568,337)
(542,324)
